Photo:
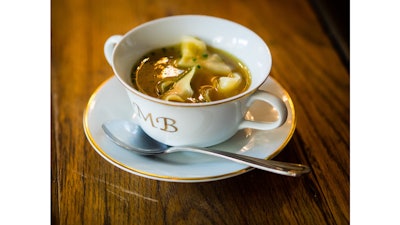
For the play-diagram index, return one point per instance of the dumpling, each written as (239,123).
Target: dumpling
(164,85)
(216,65)
(191,49)
(228,84)
(194,52)
(182,89)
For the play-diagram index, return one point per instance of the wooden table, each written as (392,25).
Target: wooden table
(86,189)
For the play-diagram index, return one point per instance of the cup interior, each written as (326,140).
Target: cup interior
(226,35)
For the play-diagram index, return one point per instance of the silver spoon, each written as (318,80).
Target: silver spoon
(131,137)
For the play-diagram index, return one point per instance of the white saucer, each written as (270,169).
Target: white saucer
(110,101)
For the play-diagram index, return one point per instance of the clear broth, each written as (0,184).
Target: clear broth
(161,64)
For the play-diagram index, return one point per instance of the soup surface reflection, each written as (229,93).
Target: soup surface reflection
(190,72)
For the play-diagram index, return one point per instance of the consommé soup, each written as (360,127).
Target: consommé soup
(190,72)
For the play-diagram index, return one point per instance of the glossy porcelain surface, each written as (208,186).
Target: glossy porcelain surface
(110,102)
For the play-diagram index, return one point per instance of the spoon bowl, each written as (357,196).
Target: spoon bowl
(130,136)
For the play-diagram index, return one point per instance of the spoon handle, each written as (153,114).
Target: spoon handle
(283,168)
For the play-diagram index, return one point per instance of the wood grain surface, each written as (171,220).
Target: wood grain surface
(86,189)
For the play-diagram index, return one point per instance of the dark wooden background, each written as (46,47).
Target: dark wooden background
(310,60)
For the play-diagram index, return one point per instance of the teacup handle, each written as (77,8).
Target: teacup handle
(109,47)
(275,102)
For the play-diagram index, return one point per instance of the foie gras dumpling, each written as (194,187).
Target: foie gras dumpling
(228,84)
(191,49)
(181,90)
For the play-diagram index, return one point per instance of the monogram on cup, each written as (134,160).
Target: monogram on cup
(163,123)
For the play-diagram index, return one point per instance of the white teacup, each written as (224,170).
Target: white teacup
(195,124)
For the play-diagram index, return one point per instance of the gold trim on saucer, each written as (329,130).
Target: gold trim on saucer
(172,178)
